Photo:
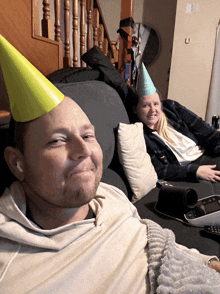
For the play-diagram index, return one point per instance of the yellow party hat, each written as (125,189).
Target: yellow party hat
(31,94)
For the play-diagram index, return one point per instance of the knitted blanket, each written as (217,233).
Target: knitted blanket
(174,270)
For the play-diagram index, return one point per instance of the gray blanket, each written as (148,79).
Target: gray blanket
(176,271)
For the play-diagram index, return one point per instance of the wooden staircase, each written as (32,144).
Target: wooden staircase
(54,34)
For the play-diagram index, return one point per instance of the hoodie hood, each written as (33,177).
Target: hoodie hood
(15,226)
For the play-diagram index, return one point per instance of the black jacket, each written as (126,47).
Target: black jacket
(190,125)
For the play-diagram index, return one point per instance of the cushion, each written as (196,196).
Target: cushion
(135,160)
(110,177)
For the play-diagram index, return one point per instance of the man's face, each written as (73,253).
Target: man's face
(62,160)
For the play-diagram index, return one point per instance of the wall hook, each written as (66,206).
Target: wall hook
(187,40)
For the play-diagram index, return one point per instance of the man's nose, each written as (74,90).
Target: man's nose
(79,149)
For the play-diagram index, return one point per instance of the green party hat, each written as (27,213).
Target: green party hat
(145,84)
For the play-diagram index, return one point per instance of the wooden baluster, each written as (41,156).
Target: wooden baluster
(57,21)
(83,30)
(36,20)
(75,32)
(100,21)
(101,36)
(115,58)
(89,7)
(105,46)
(95,26)
(67,61)
(57,25)
(47,26)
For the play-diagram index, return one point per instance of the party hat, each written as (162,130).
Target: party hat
(145,84)
(31,94)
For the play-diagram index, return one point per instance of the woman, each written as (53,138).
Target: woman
(181,145)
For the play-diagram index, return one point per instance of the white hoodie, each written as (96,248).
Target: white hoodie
(100,255)
(106,254)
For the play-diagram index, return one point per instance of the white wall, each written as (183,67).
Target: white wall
(191,63)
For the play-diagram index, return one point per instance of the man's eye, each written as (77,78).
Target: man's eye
(89,136)
(56,141)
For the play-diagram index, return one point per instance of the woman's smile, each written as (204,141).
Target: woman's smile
(149,110)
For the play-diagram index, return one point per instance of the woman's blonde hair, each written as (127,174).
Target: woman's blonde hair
(161,125)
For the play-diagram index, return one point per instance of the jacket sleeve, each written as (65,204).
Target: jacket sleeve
(174,172)
(165,163)
(207,136)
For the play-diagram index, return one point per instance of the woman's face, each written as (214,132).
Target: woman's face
(149,110)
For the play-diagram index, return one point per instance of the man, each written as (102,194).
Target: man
(62,231)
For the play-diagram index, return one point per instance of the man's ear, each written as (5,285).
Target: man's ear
(14,160)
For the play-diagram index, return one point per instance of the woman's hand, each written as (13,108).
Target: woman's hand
(208,172)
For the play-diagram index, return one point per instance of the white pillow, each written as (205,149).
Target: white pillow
(135,160)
